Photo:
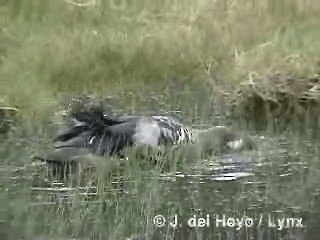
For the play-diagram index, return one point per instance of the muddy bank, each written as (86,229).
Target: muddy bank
(276,98)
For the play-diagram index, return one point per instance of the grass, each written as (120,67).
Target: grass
(56,47)
(124,206)
(152,56)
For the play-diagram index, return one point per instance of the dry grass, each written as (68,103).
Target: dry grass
(114,46)
(53,47)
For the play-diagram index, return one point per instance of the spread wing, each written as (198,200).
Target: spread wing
(105,136)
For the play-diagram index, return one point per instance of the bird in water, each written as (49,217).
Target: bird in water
(101,135)
(91,133)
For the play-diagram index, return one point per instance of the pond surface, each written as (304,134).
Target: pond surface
(271,192)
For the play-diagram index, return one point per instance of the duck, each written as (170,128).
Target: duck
(101,135)
(93,133)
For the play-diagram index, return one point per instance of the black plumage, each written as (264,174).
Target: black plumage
(100,135)
(91,133)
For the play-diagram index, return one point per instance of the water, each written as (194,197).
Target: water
(271,192)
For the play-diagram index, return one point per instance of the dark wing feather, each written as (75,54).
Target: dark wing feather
(94,117)
(82,121)
(72,133)
(105,136)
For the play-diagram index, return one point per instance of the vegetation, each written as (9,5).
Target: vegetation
(283,99)
(53,47)
(152,56)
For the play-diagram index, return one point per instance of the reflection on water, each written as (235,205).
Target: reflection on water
(247,185)
(228,167)
(277,181)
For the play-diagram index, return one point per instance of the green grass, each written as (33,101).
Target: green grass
(109,48)
(152,56)
(285,184)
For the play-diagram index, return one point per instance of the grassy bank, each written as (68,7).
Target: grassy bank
(161,49)
(54,47)
(285,184)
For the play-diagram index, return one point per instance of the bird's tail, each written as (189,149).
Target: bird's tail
(94,117)
(89,120)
